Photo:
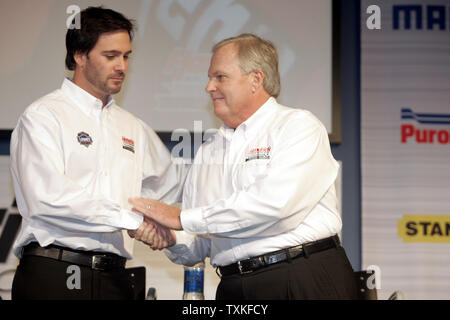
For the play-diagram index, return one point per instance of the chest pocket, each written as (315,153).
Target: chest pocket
(251,171)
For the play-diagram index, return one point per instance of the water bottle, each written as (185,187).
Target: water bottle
(151,294)
(193,282)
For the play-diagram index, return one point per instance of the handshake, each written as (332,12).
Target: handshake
(160,220)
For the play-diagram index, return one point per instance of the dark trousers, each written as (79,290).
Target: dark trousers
(40,278)
(324,275)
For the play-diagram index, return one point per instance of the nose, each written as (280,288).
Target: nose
(121,65)
(210,87)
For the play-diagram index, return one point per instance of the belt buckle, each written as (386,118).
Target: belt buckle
(97,262)
(241,270)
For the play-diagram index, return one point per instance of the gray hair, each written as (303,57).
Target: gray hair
(256,54)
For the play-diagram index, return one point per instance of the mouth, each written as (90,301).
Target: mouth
(117,78)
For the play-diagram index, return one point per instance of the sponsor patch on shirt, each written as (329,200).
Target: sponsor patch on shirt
(128,144)
(84,139)
(258,153)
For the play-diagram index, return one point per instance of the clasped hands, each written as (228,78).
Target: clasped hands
(159,222)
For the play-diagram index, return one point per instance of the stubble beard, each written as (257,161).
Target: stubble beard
(94,78)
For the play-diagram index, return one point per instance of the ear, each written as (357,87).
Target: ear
(80,59)
(257,80)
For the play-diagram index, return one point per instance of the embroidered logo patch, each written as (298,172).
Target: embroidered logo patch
(128,144)
(84,139)
(258,153)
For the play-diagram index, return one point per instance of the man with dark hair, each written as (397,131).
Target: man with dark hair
(76,157)
(96,21)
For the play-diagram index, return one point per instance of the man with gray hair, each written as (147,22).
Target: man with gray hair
(260,199)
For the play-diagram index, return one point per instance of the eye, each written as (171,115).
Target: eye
(220,77)
(110,57)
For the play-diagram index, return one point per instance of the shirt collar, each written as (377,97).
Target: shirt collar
(252,124)
(226,132)
(84,100)
(259,115)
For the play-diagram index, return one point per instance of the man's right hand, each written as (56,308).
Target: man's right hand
(153,234)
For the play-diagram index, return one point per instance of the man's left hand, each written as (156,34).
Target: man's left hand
(165,215)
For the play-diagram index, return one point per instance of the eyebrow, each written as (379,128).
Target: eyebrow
(215,73)
(116,52)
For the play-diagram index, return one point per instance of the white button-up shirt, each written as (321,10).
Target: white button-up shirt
(74,165)
(265,186)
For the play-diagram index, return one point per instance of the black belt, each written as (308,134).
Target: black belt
(303,250)
(95,260)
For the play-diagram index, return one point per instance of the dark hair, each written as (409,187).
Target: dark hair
(94,21)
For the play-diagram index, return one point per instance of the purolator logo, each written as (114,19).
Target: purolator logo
(432,128)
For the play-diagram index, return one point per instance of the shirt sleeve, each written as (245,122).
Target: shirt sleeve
(46,193)
(163,178)
(284,192)
(189,249)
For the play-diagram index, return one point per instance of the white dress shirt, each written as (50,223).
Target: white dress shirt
(265,186)
(74,165)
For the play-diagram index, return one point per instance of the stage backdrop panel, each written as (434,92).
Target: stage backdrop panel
(171,51)
(9,226)
(405,126)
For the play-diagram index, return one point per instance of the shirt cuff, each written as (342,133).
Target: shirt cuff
(131,220)
(183,240)
(180,253)
(193,222)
